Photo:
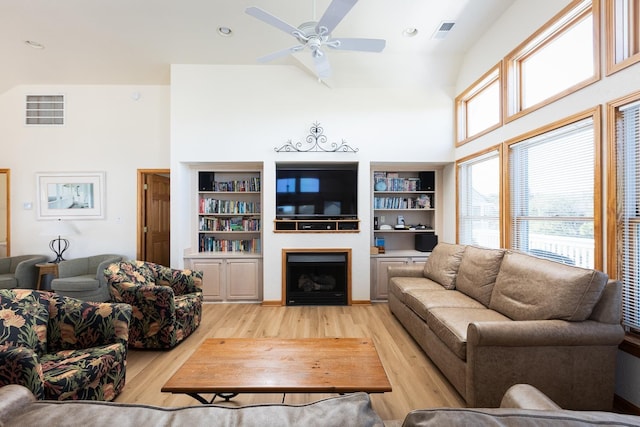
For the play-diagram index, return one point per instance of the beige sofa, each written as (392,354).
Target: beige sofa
(522,405)
(492,318)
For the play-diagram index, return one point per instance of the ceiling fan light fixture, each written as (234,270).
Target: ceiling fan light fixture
(410,32)
(225,31)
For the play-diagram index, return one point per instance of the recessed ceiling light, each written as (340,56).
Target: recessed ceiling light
(410,32)
(33,44)
(225,31)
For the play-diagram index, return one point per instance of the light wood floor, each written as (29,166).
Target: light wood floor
(416,382)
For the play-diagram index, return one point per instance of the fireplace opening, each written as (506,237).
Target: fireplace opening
(316,278)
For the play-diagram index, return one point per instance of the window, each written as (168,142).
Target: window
(623,34)
(479,200)
(553,211)
(624,238)
(478,109)
(558,59)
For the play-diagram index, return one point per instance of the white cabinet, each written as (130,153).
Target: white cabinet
(229,279)
(379,276)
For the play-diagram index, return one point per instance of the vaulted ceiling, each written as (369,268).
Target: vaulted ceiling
(135,41)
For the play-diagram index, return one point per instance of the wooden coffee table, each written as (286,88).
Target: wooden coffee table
(228,366)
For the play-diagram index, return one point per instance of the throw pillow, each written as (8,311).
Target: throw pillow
(443,263)
(478,271)
(23,319)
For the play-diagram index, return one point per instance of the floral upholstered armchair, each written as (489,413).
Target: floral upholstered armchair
(167,303)
(62,348)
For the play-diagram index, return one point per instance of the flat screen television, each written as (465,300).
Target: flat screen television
(317,191)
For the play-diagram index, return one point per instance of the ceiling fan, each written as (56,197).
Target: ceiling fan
(317,35)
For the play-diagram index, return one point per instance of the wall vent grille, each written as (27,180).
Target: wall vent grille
(44,110)
(443,29)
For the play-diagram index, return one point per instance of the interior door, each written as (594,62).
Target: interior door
(155,217)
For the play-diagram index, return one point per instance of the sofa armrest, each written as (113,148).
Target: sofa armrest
(183,281)
(26,272)
(543,333)
(571,362)
(525,396)
(89,324)
(409,270)
(21,365)
(13,400)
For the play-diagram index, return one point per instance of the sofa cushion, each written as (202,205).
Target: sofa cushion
(442,265)
(85,282)
(504,417)
(478,271)
(399,286)
(450,325)
(8,281)
(349,410)
(422,300)
(23,319)
(68,373)
(532,288)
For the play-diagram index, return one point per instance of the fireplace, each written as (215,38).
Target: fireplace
(316,277)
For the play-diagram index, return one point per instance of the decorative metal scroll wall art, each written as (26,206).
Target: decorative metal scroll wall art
(316,141)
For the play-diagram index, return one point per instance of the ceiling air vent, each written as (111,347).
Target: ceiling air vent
(443,30)
(45,110)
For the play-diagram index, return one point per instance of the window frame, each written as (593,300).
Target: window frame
(462,135)
(554,28)
(595,115)
(612,191)
(458,163)
(614,66)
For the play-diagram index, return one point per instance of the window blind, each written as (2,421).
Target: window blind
(628,227)
(551,194)
(479,200)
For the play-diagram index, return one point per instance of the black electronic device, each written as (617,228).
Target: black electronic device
(425,242)
(427,181)
(317,191)
(317,225)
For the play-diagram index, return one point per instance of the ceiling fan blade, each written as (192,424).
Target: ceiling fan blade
(365,45)
(281,53)
(336,11)
(321,62)
(256,12)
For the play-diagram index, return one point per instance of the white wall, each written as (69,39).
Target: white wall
(105,130)
(487,52)
(241,113)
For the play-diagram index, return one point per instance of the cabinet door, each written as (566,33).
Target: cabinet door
(243,279)
(213,279)
(381,284)
(419,260)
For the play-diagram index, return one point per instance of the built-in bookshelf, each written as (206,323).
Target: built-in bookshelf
(229,211)
(403,206)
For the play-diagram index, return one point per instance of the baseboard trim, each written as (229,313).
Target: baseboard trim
(274,303)
(624,406)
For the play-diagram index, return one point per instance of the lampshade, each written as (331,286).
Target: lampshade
(60,228)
